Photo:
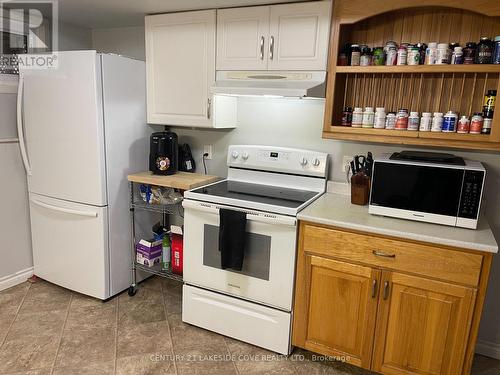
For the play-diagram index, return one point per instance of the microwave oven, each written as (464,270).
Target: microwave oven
(434,188)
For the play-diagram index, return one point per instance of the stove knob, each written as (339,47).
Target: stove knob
(316,162)
(303,161)
(235,154)
(245,155)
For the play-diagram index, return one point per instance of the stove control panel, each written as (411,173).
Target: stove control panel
(278,159)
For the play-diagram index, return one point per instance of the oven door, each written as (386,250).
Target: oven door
(269,261)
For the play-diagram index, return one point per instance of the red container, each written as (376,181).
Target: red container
(177,253)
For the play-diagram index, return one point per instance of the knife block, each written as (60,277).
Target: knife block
(360,189)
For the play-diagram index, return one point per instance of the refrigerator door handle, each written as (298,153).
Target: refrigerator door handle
(20,132)
(62,209)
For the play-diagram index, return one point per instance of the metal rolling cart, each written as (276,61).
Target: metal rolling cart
(181,181)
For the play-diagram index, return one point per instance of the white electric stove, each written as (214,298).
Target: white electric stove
(271,185)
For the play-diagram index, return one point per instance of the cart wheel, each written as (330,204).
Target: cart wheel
(132,291)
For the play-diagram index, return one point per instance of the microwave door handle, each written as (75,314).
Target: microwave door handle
(20,130)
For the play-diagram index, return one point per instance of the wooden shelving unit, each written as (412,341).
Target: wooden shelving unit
(422,88)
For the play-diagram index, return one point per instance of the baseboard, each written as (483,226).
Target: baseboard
(16,278)
(488,348)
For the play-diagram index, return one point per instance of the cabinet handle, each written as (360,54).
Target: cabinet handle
(262,48)
(374,288)
(209,108)
(271,48)
(386,289)
(382,254)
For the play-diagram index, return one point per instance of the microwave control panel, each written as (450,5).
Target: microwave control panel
(472,188)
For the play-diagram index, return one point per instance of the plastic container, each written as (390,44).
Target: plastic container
(442,54)
(347,116)
(390,121)
(368,118)
(450,122)
(391,56)
(431,54)
(357,117)
(457,57)
(355,55)
(476,123)
(496,51)
(380,117)
(486,126)
(413,121)
(463,126)
(413,57)
(402,119)
(402,55)
(470,53)
(484,51)
(437,122)
(425,122)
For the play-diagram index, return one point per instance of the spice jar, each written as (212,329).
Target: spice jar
(484,51)
(347,116)
(476,123)
(390,120)
(368,117)
(402,119)
(425,122)
(470,53)
(357,117)
(379,118)
(355,55)
(437,122)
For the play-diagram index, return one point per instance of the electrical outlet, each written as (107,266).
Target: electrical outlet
(207,149)
(345,162)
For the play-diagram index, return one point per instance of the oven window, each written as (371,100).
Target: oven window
(257,252)
(417,188)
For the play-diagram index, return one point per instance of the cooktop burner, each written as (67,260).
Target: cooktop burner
(273,195)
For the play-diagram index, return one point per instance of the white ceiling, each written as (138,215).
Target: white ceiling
(118,13)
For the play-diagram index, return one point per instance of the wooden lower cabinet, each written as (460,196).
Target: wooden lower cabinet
(422,326)
(382,319)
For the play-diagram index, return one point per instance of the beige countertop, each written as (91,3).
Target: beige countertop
(336,210)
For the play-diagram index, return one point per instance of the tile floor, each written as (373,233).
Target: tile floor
(45,329)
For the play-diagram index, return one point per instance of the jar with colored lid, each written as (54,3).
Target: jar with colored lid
(470,53)
(347,116)
(355,55)
(390,120)
(463,125)
(484,51)
(425,122)
(413,121)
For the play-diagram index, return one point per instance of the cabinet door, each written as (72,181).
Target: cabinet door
(335,309)
(299,36)
(242,38)
(180,67)
(422,326)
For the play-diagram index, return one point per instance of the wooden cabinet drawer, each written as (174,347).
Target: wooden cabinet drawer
(420,259)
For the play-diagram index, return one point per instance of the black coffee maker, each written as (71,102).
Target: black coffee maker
(163,153)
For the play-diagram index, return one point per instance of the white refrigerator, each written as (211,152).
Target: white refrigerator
(82,129)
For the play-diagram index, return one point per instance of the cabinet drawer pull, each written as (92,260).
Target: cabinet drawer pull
(382,254)
(374,288)
(386,289)
(262,48)
(271,48)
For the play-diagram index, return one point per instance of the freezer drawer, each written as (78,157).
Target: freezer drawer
(70,244)
(256,324)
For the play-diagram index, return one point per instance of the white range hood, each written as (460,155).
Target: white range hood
(270,83)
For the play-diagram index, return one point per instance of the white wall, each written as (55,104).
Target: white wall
(298,123)
(126,41)
(73,37)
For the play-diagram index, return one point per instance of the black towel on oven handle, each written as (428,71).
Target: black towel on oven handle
(232,238)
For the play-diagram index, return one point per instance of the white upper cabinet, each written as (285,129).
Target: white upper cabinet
(298,36)
(242,38)
(276,37)
(180,68)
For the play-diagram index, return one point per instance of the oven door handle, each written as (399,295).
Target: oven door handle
(268,218)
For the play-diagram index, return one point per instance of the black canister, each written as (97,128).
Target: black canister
(164,153)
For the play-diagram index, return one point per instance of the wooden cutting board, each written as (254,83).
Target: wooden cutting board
(180,180)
